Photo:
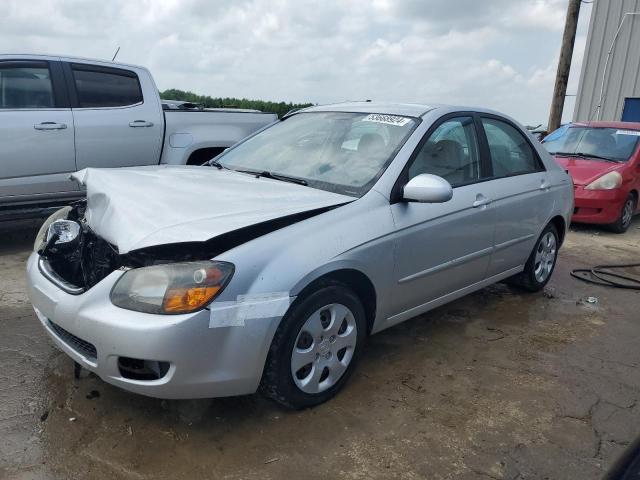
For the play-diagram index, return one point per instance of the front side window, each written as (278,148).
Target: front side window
(614,144)
(25,87)
(340,152)
(511,154)
(106,87)
(451,152)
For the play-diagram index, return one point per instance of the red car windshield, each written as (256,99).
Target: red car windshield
(612,144)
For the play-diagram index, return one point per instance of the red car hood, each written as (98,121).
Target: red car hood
(584,171)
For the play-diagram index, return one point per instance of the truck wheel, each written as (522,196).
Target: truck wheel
(541,263)
(626,215)
(315,348)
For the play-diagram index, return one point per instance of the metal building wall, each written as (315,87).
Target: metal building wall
(622,78)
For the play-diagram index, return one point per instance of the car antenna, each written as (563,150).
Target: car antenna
(115,54)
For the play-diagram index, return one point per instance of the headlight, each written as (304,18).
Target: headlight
(65,231)
(171,288)
(608,181)
(42,235)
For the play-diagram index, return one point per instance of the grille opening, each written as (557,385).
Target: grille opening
(139,369)
(84,348)
(85,263)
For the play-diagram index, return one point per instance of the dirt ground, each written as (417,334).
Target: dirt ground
(499,385)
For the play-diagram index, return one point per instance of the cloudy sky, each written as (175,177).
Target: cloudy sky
(500,54)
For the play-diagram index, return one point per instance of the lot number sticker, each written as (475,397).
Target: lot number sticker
(628,132)
(387,119)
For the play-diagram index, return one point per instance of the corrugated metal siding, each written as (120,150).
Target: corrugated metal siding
(623,71)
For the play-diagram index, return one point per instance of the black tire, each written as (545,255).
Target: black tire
(277,378)
(623,222)
(527,279)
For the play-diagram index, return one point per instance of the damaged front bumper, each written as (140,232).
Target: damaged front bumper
(176,356)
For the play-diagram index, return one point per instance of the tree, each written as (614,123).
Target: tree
(281,108)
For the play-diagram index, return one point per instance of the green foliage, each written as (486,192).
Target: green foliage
(281,108)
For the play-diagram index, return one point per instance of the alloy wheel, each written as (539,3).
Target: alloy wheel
(545,258)
(627,213)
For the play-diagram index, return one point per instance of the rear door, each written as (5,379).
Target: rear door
(520,192)
(118,117)
(36,131)
(443,247)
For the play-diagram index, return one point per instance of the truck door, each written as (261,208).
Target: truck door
(117,115)
(36,131)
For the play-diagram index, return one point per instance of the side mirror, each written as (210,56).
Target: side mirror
(427,188)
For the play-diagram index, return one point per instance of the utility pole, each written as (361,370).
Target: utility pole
(564,65)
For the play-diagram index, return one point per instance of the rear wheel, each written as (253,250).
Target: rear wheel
(626,215)
(315,347)
(541,263)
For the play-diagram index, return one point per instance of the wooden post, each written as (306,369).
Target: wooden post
(564,65)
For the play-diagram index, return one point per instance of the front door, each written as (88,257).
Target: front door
(443,247)
(36,132)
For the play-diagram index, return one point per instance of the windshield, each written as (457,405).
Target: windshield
(605,143)
(340,152)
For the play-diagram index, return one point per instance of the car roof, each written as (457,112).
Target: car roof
(391,108)
(403,109)
(621,125)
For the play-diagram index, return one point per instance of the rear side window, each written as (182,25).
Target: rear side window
(106,87)
(511,153)
(25,87)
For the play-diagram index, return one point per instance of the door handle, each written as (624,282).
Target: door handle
(140,123)
(544,185)
(50,126)
(481,201)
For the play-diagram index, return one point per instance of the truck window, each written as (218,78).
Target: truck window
(106,87)
(25,87)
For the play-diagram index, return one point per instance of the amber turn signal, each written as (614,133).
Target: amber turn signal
(181,300)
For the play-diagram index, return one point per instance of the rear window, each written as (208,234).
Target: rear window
(106,87)
(25,87)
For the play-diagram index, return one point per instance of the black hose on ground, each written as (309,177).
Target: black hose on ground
(602,275)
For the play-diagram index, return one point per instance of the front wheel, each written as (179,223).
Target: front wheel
(626,215)
(541,263)
(315,347)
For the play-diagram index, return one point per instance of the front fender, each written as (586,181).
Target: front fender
(356,236)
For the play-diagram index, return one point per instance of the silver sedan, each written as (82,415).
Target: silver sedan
(268,267)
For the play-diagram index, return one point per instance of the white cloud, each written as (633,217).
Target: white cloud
(496,53)
(538,14)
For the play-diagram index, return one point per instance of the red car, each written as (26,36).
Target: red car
(604,160)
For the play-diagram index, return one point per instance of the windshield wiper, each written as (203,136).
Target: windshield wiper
(586,155)
(598,157)
(274,176)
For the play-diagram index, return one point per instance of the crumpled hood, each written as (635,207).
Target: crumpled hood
(139,207)
(583,171)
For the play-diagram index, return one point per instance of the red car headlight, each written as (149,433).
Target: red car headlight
(608,181)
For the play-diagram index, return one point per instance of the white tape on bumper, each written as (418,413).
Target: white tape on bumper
(248,307)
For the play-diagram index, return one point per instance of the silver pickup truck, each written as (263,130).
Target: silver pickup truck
(62,114)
